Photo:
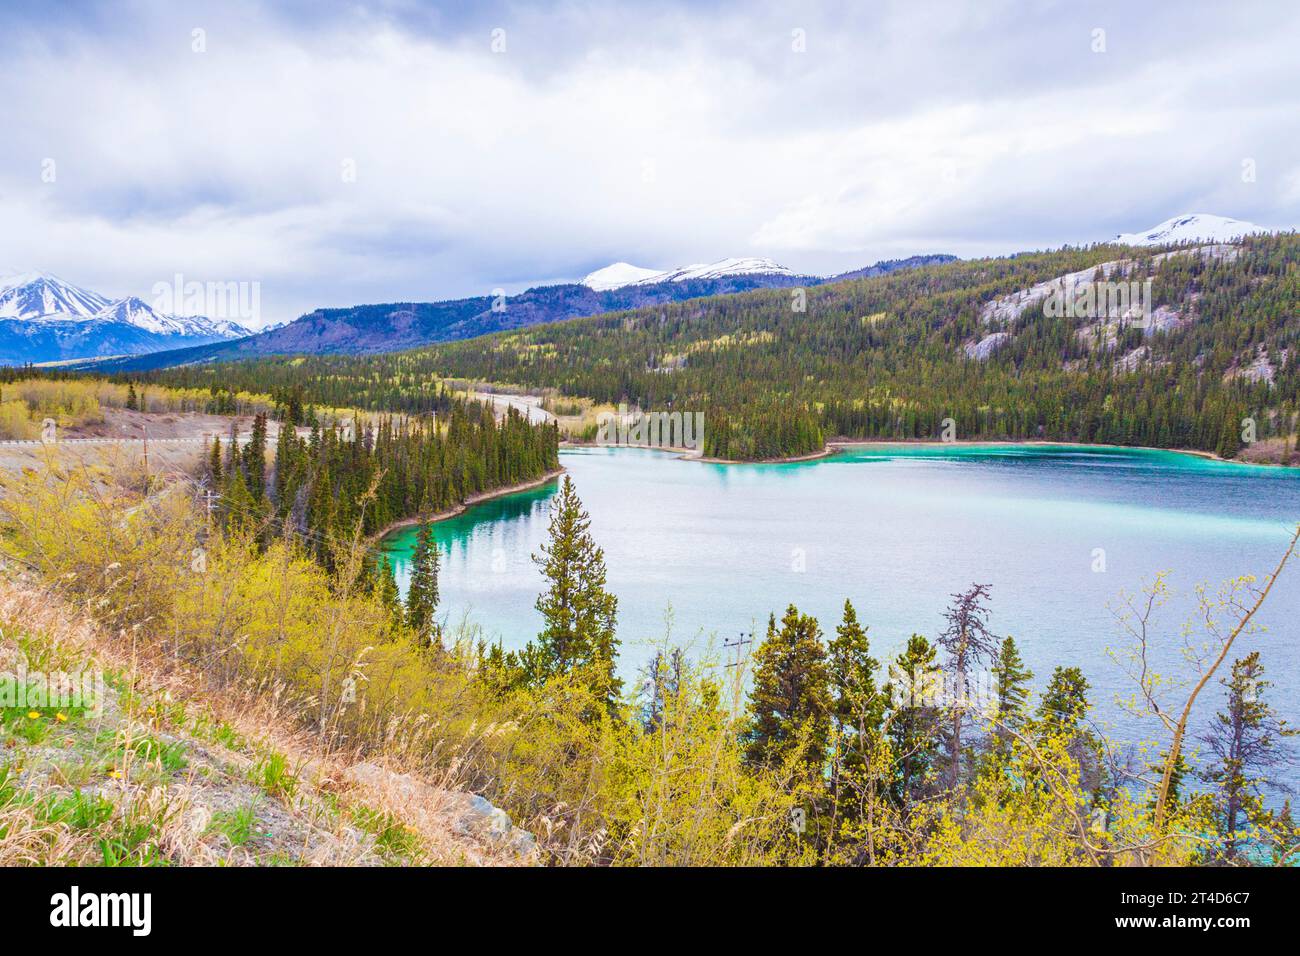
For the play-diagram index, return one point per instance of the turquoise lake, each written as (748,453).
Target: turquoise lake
(898,529)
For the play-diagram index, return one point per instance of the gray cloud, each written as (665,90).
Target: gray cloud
(656,133)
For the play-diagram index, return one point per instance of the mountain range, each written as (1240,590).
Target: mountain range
(46,319)
(365,329)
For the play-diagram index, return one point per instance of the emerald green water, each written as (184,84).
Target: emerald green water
(897,529)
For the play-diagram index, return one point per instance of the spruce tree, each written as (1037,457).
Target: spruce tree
(790,703)
(1012,686)
(422,596)
(1246,744)
(914,729)
(858,705)
(578,614)
(385,588)
(214,463)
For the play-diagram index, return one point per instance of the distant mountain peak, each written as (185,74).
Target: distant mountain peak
(39,295)
(45,318)
(622,274)
(1191,227)
(618,275)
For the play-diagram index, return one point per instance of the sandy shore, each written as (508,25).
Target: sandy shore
(469,502)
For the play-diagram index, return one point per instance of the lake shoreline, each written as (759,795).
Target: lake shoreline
(471,501)
(838,446)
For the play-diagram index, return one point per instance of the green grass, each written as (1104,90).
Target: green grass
(169,757)
(235,825)
(133,841)
(79,810)
(273,775)
(393,840)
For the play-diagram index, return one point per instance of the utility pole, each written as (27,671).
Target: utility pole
(737,676)
(145,432)
(743,639)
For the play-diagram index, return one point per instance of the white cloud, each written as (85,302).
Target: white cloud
(642,133)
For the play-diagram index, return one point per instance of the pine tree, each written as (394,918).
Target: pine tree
(1065,702)
(422,595)
(1246,743)
(858,705)
(914,729)
(1012,687)
(385,588)
(254,458)
(790,703)
(214,462)
(579,615)
(241,509)
(858,710)
(1061,714)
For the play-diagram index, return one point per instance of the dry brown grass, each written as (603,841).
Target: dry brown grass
(318,809)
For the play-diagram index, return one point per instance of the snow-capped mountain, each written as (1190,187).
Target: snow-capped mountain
(622,274)
(618,275)
(34,295)
(1191,227)
(45,318)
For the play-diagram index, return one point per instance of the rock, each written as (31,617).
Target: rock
(981,350)
(430,808)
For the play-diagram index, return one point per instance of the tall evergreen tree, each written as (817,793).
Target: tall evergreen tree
(1011,685)
(790,703)
(1246,744)
(914,727)
(579,615)
(385,588)
(422,595)
(857,703)
(214,463)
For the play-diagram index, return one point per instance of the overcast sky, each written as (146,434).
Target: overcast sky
(393,151)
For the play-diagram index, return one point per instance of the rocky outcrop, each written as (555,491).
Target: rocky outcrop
(985,347)
(433,810)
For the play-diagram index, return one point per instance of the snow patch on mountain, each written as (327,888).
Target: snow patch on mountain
(1192,227)
(622,274)
(618,275)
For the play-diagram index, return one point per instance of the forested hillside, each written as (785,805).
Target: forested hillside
(777,372)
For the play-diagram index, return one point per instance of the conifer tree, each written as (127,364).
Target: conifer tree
(254,458)
(790,702)
(857,703)
(214,463)
(578,614)
(1012,686)
(385,588)
(914,727)
(241,509)
(1246,745)
(422,595)
(1065,701)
